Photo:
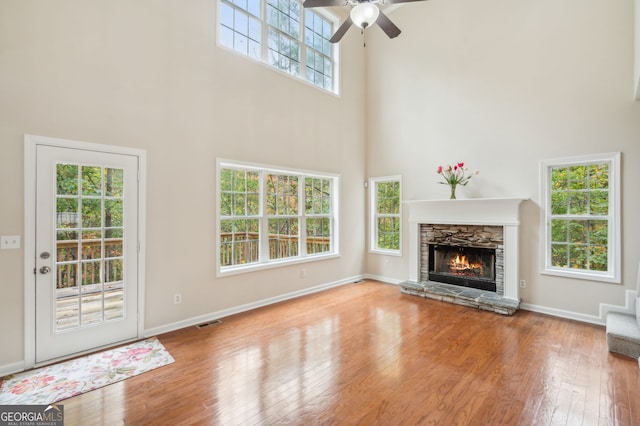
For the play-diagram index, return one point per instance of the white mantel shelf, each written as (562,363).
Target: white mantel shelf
(503,212)
(472,211)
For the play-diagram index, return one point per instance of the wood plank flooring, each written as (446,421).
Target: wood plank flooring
(365,354)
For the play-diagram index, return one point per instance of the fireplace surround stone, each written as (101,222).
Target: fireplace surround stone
(488,222)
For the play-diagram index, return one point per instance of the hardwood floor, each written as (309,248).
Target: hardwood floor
(367,354)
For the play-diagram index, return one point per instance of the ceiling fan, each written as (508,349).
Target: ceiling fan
(363,14)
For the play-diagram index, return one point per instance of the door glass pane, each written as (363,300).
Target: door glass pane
(89,229)
(113,304)
(67,179)
(91,213)
(112,213)
(67,212)
(91,180)
(113,185)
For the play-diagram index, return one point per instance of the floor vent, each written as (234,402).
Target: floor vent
(210,323)
(358,282)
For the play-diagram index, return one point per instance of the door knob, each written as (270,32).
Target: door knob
(45,270)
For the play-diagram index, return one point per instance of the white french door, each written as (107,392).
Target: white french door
(86,264)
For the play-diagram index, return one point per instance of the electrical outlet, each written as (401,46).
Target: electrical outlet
(177,298)
(10,242)
(523,284)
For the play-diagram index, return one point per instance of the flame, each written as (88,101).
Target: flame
(461,264)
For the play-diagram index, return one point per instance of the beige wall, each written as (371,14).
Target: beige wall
(147,74)
(498,84)
(501,85)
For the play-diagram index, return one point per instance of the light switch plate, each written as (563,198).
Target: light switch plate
(10,242)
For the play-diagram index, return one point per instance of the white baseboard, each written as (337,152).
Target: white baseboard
(561,313)
(382,279)
(629,307)
(189,322)
(14,367)
(576,316)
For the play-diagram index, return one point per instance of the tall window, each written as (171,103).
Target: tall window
(581,207)
(386,214)
(268,216)
(278,33)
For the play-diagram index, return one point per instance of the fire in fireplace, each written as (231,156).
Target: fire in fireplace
(465,266)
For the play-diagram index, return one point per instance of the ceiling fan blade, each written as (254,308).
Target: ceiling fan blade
(387,26)
(400,1)
(324,3)
(342,30)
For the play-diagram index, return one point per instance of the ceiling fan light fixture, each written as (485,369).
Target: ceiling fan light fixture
(364,14)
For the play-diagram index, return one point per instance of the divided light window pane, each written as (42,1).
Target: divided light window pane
(579,222)
(386,216)
(295,40)
(267,216)
(582,217)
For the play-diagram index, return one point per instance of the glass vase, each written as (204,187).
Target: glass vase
(453,191)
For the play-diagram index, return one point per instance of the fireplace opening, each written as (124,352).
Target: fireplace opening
(465,266)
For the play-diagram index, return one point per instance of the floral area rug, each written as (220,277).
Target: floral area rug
(56,382)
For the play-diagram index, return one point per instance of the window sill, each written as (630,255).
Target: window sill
(589,276)
(235,270)
(386,252)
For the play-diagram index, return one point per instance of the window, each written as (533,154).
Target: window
(278,33)
(386,214)
(269,216)
(581,220)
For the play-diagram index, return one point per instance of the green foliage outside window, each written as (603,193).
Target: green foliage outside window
(89,225)
(579,223)
(241,192)
(240,201)
(388,215)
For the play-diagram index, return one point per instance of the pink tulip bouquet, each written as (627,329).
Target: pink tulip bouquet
(455,175)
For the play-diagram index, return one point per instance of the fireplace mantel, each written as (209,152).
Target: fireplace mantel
(473,211)
(503,212)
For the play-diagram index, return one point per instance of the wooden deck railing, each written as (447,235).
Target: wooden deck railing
(280,247)
(68,251)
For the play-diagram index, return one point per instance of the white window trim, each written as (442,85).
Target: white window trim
(264,262)
(373,229)
(613,275)
(301,78)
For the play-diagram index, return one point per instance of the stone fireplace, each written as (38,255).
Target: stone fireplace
(465,255)
(465,252)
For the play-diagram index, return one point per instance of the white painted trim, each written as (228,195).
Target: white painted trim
(31,143)
(473,211)
(576,316)
(504,212)
(264,262)
(373,202)
(14,367)
(385,280)
(142,239)
(615,241)
(629,307)
(29,251)
(247,307)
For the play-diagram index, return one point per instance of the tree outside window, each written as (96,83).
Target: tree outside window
(278,33)
(386,217)
(268,216)
(582,217)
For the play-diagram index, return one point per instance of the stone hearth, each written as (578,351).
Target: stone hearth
(495,218)
(479,299)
